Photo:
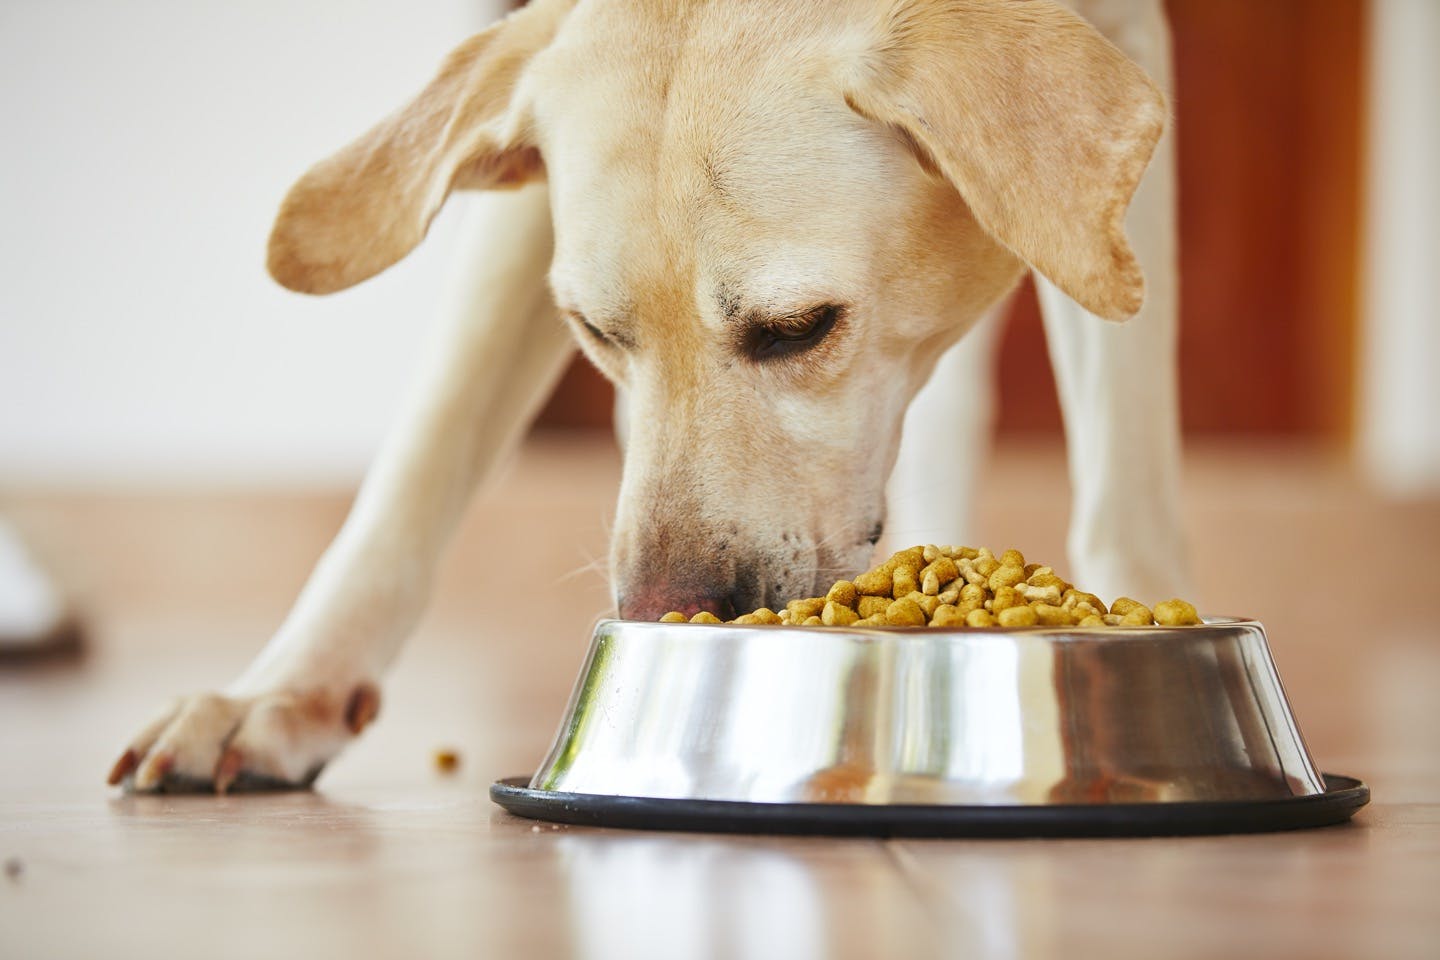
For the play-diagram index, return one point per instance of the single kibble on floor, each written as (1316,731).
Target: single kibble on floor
(14,866)
(447,761)
(958,587)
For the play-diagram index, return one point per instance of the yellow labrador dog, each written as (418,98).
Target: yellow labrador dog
(767,222)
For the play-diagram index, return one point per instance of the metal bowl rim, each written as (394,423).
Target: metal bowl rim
(869,633)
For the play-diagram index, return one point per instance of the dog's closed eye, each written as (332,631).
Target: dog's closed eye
(598,335)
(780,337)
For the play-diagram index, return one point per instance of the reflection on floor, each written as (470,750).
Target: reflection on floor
(391,858)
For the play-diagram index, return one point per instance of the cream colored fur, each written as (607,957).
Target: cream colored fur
(712,171)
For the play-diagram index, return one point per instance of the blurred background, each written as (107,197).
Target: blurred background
(148,145)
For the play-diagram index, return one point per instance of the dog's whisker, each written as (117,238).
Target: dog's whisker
(849,533)
(600,565)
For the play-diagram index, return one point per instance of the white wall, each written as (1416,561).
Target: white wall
(144,147)
(1399,423)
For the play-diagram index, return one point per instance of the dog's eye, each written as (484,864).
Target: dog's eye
(788,336)
(590,328)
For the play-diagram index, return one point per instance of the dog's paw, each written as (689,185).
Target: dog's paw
(273,741)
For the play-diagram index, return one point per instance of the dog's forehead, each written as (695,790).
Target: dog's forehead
(725,164)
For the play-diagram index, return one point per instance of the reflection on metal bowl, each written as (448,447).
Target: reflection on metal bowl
(1031,717)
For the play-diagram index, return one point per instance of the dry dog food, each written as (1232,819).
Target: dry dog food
(960,587)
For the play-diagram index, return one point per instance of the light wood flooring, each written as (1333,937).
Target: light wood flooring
(389,858)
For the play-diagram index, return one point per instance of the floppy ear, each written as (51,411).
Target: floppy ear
(363,209)
(1041,124)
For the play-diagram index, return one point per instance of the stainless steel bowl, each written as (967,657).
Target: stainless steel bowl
(1033,717)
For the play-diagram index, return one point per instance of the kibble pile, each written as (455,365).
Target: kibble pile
(960,587)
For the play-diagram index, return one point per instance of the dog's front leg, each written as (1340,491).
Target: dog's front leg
(315,685)
(1118,382)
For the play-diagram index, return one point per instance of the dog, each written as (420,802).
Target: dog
(766,223)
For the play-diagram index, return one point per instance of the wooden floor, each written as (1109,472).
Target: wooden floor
(389,858)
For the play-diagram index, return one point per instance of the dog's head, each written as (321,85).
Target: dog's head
(770,220)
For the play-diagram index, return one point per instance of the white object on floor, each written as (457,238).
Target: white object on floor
(31,610)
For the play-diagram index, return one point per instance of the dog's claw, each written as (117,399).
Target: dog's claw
(154,770)
(363,707)
(227,769)
(128,761)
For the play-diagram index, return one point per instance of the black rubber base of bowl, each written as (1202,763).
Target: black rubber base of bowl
(1342,797)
